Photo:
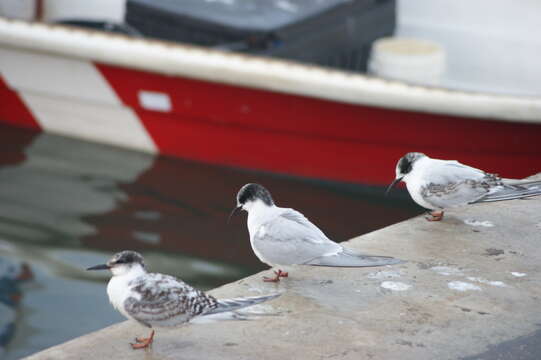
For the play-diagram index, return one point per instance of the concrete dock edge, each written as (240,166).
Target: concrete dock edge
(471,289)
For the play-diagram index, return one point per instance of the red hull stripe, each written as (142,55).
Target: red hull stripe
(303,116)
(297,135)
(13,110)
(311,137)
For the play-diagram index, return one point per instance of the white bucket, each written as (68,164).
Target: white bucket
(410,60)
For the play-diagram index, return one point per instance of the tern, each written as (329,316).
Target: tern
(158,300)
(440,184)
(282,236)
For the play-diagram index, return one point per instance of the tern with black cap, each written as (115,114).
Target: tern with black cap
(282,236)
(158,300)
(440,184)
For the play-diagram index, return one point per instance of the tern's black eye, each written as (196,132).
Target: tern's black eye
(127,257)
(404,165)
(247,193)
(244,197)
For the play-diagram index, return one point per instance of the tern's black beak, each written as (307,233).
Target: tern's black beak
(235,210)
(99,267)
(395,181)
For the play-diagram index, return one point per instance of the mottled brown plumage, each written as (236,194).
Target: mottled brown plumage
(158,300)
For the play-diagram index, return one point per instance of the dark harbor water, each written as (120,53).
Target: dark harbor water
(66,204)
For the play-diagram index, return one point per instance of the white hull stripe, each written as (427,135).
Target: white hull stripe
(71,97)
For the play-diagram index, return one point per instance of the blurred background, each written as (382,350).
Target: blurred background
(131,124)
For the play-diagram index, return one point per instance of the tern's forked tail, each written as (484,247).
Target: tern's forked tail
(239,303)
(515,191)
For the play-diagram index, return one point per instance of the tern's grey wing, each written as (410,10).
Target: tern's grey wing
(513,190)
(292,239)
(350,258)
(225,305)
(297,217)
(163,300)
(450,183)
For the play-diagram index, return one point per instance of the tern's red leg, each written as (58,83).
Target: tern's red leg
(435,216)
(277,275)
(143,343)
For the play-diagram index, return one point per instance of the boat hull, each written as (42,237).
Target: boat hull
(249,127)
(316,138)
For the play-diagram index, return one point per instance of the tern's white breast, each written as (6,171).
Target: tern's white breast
(118,291)
(259,232)
(415,189)
(417,179)
(258,216)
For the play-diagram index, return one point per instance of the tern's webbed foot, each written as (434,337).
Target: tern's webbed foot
(435,216)
(278,274)
(143,343)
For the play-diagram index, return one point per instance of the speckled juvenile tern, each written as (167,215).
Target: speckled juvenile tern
(440,184)
(283,236)
(158,300)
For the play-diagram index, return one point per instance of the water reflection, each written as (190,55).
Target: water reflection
(182,206)
(12,274)
(66,204)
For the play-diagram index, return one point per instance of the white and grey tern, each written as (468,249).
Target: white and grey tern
(441,184)
(158,300)
(282,236)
